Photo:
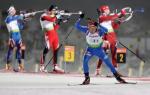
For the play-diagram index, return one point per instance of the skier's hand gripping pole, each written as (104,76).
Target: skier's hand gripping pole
(127,13)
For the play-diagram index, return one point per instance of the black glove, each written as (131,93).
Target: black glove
(82,16)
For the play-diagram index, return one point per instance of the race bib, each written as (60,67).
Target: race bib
(13,25)
(94,40)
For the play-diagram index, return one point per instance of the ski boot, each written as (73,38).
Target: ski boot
(86,81)
(8,67)
(118,78)
(21,67)
(57,69)
(42,69)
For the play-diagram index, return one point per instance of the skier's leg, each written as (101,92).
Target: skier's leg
(101,54)
(98,67)
(106,47)
(19,57)
(42,60)
(23,47)
(113,49)
(9,54)
(55,48)
(86,59)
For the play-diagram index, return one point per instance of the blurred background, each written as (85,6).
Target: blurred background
(135,34)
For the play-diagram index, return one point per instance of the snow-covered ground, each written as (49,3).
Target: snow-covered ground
(66,84)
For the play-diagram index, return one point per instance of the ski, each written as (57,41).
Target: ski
(127,83)
(81,84)
(99,84)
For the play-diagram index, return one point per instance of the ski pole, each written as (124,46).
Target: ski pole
(131,51)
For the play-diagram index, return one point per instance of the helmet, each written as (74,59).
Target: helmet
(11,10)
(103,8)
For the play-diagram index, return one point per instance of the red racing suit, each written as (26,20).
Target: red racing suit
(108,21)
(50,28)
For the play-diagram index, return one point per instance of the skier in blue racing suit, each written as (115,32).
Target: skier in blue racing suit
(15,41)
(94,41)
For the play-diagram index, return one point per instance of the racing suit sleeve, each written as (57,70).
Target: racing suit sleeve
(116,25)
(56,27)
(107,18)
(102,30)
(81,28)
(19,17)
(51,19)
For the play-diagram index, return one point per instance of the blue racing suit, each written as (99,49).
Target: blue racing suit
(94,42)
(14,27)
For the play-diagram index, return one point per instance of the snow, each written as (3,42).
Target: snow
(57,84)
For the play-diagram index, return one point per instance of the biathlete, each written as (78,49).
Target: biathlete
(109,21)
(50,26)
(94,41)
(15,41)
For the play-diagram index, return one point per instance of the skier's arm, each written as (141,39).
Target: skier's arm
(19,17)
(81,28)
(112,17)
(7,20)
(116,25)
(51,19)
(8,27)
(107,18)
(56,27)
(102,30)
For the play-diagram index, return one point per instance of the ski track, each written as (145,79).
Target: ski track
(67,84)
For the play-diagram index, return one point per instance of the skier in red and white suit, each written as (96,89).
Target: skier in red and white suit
(49,26)
(107,20)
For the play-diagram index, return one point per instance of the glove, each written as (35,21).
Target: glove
(82,16)
(123,12)
(58,16)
